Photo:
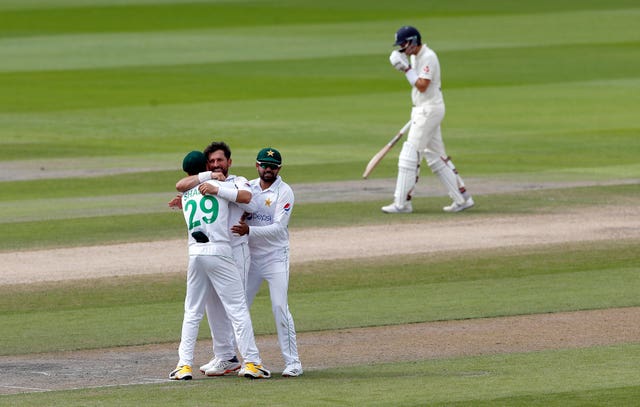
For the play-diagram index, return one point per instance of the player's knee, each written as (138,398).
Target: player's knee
(409,156)
(435,163)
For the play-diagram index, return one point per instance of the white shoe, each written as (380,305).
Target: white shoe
(456,207)
(393,208)
(293,370)
(222,367)
(208,365)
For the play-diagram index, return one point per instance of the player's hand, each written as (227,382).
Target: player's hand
(208,189)
(176,202)
(218,176)
(399,61)
(240,229)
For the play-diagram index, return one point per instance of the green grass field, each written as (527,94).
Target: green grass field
(101,100)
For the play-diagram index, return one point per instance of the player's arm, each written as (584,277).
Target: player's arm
(400,62)
(187,183)
(282,214)
(426,74)
(418,82)
(176,202)
(275,231)
(422,84)
(250,206)
(231,194)
(192,181)
(243,197)
(243,185)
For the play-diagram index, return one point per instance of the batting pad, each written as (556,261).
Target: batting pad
(449,163)
(448,178)
(407,173)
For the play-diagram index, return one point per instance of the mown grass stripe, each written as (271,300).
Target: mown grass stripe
(324,39)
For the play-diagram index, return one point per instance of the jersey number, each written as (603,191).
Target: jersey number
(208,205)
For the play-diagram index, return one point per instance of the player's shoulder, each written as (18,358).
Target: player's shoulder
(285,187)
(431,54)
(237,180)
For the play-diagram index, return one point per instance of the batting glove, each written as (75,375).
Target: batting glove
(399,61)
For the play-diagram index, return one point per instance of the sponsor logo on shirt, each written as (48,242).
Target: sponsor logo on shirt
(287,207)
(260,217)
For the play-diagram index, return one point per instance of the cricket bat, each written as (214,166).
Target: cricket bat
(380,154)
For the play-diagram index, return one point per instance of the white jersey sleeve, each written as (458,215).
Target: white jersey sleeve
(243,185)
(236,209)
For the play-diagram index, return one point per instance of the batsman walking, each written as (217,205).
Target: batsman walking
(422,70)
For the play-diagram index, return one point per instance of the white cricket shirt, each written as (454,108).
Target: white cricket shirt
(269,223)
(427,66)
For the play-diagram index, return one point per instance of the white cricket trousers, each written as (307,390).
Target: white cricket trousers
(224,344)
(204,275)
(276,274)
(425,134)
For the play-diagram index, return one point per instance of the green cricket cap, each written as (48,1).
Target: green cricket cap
(269,155)
(195,162)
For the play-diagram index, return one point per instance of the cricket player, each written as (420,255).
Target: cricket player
(219,161)
(212,269)
(425,137)
(267,228)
